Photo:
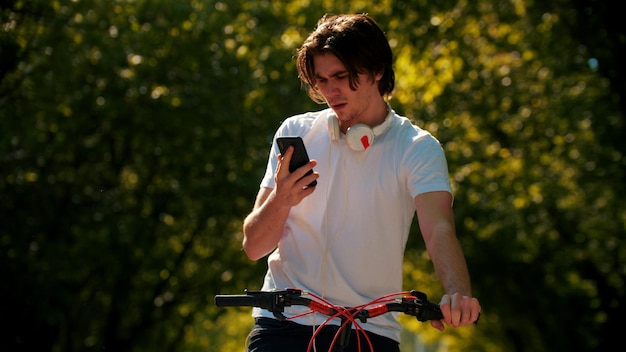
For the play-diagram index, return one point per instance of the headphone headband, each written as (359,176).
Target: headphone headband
(360,136)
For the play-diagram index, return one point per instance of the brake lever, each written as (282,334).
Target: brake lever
(423,309)
(276,301)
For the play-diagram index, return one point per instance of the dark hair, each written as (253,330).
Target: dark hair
(357,41)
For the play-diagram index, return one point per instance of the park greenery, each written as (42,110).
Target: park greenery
(134,134)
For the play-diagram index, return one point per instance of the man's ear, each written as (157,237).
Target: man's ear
(379,75)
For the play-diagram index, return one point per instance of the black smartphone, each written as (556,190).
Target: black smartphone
(299,157)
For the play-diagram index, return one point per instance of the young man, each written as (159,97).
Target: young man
(344,238)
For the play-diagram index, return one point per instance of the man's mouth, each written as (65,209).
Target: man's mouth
(337,106)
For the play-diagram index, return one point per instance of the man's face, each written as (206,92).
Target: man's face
(333,82)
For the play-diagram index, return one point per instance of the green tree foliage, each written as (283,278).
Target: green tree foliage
(134,135)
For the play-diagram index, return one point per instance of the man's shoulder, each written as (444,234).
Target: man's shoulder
(308,116)
(299,123)
(411,133)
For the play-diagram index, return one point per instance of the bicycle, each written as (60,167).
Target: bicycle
(414,303)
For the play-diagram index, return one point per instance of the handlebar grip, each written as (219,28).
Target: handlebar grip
(432,313)
(238,301)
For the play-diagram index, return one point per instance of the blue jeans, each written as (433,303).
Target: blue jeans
(272,335)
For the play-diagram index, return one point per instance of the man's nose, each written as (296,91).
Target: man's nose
(331,88)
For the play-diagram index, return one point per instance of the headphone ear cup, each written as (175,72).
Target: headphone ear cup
(359,137)
(333,127)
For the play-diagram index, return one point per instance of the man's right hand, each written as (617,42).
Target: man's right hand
(291,188)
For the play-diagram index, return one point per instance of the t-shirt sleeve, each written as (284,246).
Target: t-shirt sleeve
(427,167)
(272,160)
(272,163)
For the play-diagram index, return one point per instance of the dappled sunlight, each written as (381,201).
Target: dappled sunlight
(136,132)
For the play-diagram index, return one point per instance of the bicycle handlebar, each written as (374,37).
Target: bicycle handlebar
(413,303)
(274,301)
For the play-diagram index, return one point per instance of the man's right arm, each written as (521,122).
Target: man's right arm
(263,227)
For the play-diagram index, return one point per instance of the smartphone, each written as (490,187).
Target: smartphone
(299,157)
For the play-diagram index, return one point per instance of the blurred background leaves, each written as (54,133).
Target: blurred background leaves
(134,135)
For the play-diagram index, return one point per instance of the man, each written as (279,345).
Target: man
(344,238)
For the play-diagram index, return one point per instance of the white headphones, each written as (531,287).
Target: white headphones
(360,136)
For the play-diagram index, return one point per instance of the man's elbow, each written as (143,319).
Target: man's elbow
(250,251)
(253,251)
(247,245)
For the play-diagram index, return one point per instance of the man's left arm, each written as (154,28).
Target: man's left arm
(436,221)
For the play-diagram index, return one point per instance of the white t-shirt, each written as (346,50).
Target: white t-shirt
(346,241)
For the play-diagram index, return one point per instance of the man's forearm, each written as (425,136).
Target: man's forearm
(450,264)
(263,227)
